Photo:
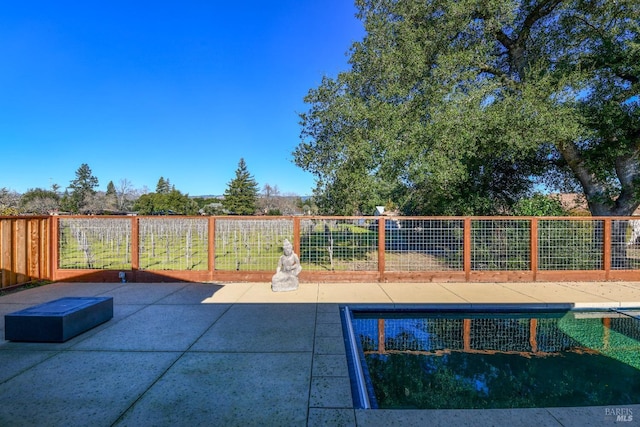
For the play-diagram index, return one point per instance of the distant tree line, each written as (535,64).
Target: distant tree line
(81,196)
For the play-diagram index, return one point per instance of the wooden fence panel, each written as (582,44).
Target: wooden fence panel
(25,253)
(6,248)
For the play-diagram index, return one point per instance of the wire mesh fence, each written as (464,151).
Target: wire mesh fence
(503,244)
(338,244)
(89,243)
(424,244)
(173,243)
(627,326)
(250,244)
(350,244)
(508,335)
(570,244)
(625,245)
(495,334)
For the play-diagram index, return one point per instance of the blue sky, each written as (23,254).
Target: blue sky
(178,89)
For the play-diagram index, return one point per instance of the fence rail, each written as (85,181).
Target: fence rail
(356,249)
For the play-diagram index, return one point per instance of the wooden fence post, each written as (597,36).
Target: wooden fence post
(381,337)
(534,248)
(466,334)
(45,244)
(135,246)
(212,247)
(533,335)
(54,246)
(381,248)
(606,248)
(296,235)
(466,247)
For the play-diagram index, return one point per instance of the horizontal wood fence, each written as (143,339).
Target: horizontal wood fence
(331,249)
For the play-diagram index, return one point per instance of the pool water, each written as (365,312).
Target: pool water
(454,360)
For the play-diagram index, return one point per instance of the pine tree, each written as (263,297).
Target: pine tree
(111,196)
(111,189)
(241,195)
(81,189)
(163,186)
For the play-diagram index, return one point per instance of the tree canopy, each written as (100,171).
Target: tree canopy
(165,201)
(241,195)
(171,203)
(466,107)
(39,201)
(9,201)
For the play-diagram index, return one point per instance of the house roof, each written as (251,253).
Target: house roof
(577,202)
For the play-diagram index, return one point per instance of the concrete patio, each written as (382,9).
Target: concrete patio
(188,354)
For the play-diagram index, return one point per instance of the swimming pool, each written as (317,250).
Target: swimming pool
(447,358)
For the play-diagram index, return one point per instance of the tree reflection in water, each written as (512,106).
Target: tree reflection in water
(519,361)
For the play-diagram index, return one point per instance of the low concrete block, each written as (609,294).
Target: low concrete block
(58,320)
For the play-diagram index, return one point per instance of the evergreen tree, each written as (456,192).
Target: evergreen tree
(241,195)
(163,186)
(80,190)
(111,189)
(111,197)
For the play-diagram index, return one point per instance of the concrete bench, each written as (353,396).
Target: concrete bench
(58,320)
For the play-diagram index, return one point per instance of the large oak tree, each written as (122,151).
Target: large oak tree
(465,107)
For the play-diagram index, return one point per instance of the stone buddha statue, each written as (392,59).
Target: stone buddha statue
(286,277)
